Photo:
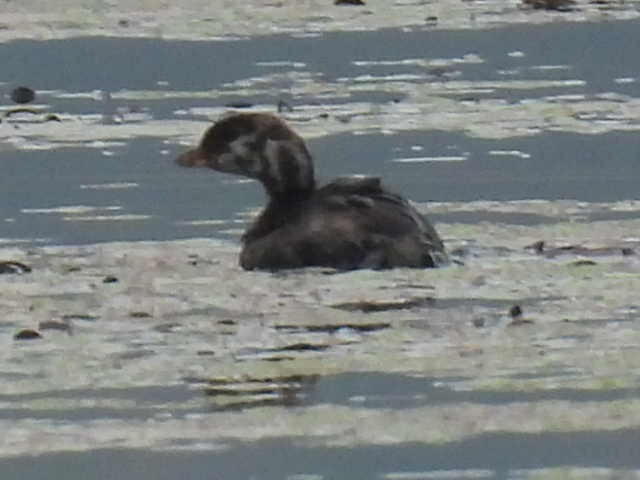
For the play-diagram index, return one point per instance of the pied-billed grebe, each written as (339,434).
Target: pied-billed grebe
(347,224)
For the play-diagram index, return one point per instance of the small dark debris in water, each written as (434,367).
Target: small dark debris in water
(358,327)
(194,259)
(517,319)
(79,316)
(323,115)
(110,279)
(431,21)
(239,105)
(205,353)
(72,268)
(559,5)
(140,314)
(27,334)
(348,2)
(412,285)
(10,266)
(55,325)
(52,117)
(300,347)
(373,306)
(278,359)
(226,321)
(583,263)
(478,322)
(123,23)
(284,106)
(23,95)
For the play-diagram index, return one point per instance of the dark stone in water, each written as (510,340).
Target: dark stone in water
(140,314)
(239,105)
(23,95)
(110,279)
(348,2)
(27,334)
(517,319)
(13,267)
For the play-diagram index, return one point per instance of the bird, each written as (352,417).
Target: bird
(350,223)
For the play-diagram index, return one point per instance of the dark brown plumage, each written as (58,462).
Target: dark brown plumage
(347,224)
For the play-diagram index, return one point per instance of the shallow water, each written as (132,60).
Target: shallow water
(186,364)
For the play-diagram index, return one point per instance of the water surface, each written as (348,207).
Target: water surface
(186,364)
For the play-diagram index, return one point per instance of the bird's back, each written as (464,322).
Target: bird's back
(347,224)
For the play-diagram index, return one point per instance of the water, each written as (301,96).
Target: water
(187,365)
(550,141)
